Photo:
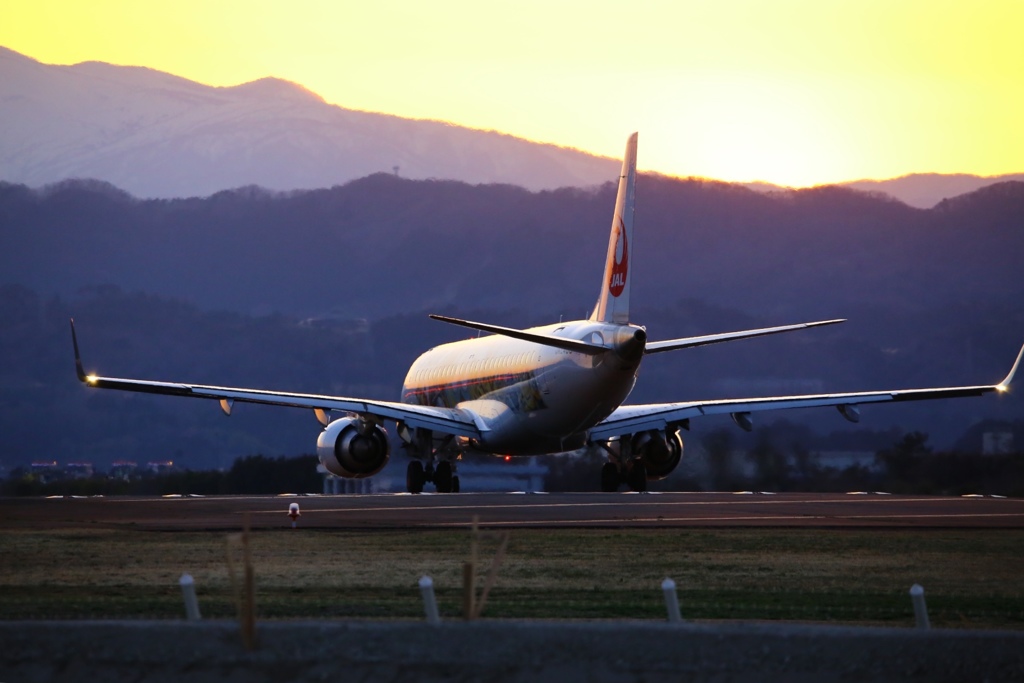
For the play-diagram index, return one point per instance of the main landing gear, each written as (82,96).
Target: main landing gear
(414,477)
(622,468)
(443,476)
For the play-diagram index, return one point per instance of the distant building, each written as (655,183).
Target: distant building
(79,470)
(160,467)
(519,474)
(47,471)
(996,443)
(123,469)
(844,460)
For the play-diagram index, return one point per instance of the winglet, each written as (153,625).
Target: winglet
(1005,384)
(79,370)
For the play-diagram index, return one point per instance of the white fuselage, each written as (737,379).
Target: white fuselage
(529,398)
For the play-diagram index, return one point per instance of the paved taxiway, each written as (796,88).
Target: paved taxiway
(620,510)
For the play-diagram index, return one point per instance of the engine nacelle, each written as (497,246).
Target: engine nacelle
(351,448)
(660,451)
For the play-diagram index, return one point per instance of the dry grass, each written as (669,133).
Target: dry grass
(971,577)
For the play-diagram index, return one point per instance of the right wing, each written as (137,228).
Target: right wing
(638,418)
(440,420)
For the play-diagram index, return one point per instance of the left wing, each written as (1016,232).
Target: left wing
(690,342)
(441,420)
(638,418)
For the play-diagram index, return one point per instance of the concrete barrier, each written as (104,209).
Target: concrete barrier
(561,652)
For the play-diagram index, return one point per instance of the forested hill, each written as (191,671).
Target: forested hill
(383,245)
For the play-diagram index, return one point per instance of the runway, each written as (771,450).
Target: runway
(565,510)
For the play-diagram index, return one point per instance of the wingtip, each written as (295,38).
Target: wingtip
(1005,384)
(79,370)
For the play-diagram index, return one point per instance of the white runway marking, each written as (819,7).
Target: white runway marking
(759,518)
(633,503)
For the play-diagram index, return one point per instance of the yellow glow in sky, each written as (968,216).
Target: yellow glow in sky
(795,92)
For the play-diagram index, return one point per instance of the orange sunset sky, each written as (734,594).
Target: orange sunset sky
(796,92)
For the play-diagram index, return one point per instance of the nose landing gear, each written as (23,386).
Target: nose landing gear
(442,474)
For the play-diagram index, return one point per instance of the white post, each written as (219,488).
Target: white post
(668,587)
(188,591)
(920,609)
(429,601)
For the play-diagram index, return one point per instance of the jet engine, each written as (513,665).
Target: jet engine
(353,448)
(660,451)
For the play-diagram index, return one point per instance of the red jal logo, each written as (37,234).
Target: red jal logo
(617,280)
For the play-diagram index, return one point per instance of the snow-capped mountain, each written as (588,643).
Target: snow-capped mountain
(157,135)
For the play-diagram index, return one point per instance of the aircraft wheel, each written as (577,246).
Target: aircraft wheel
(443,478)
(414,477)
(455,484)
(637,477)
(610,477)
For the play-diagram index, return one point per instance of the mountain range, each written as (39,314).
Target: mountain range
(158,135)
(155,135)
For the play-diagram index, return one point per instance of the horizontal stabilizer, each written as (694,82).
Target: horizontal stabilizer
(545,339)
(690,342)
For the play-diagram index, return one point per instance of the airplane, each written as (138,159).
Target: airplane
(542,390)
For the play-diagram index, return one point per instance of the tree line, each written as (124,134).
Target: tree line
(907,466)
(255,474)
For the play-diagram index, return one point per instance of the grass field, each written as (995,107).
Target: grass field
(972,578)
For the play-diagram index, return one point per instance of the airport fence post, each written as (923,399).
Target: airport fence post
(469,573)
(188,592)
(492,576)
(429,600)
(246,592)
(668,587)
(920,609)
(472,604)
(468,590)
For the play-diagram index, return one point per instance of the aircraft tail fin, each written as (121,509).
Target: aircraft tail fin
(613,302)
